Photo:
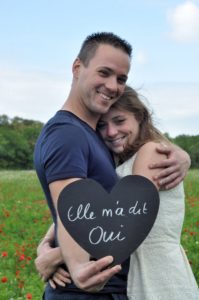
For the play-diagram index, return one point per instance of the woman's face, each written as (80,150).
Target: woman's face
(118,128)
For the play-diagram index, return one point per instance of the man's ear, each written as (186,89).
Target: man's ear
(76,67)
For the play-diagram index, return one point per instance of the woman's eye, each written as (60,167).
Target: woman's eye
(101,126)
(120,121)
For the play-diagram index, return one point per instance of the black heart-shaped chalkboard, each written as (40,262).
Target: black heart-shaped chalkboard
(114,223)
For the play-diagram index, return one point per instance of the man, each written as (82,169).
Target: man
(69,149)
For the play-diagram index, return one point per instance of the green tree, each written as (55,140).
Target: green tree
(190,144)
(194,154)
(17,140)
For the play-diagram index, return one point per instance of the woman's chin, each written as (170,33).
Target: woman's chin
(118,150)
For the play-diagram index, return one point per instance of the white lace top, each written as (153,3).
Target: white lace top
(159,268)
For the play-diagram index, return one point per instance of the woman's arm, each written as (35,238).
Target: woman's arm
(48,258)
(46,241)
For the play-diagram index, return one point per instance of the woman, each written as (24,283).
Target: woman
(159,268)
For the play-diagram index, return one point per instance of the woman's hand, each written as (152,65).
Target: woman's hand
(60,277)
(47,263)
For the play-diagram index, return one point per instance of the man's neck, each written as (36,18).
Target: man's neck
(84,114)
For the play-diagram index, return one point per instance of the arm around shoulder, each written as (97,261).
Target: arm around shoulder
(144,157)
(175,166)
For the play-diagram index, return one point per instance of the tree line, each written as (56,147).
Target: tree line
(18,137)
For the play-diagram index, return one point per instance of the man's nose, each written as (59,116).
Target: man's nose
(112,84)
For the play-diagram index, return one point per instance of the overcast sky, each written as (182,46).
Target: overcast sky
(40,40)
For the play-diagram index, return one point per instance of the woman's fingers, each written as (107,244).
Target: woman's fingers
(60,277)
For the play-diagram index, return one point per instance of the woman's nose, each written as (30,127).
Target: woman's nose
(111,131)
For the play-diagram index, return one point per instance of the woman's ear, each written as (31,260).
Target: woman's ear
(76,67)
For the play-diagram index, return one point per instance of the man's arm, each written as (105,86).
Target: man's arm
(88,275)
(145,155)
(174,168)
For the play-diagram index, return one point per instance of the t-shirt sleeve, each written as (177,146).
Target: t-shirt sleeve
(65,153)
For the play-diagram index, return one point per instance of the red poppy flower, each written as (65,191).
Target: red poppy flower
(4,254)
(22,257)
(4,279)
(28,296)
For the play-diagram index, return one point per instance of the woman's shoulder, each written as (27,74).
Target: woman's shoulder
(150,149)
(146,155)
(150,145)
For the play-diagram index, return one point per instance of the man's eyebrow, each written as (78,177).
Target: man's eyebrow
(106,68)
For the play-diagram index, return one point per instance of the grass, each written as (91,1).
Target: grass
(24,217)
(190,234)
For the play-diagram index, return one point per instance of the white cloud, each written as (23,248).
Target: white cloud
(31,94)
(184,21)
(175,107)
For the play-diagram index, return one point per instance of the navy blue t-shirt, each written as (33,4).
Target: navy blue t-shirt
(69,148)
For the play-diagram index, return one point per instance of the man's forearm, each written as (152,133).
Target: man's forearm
(87,275)
(72,253)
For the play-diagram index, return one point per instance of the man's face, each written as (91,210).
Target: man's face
(102,82)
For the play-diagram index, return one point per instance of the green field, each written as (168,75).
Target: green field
(24,217)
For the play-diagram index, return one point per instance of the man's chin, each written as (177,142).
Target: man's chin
(104,110)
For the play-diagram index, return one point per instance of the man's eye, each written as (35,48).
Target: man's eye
(103,73)
(122,80)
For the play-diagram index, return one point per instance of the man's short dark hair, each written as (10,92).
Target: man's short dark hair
(92,42)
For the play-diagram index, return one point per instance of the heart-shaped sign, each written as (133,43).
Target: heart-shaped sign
(113,223)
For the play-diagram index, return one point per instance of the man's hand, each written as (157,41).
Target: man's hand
(175,166)
(93,275)
(90,276)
